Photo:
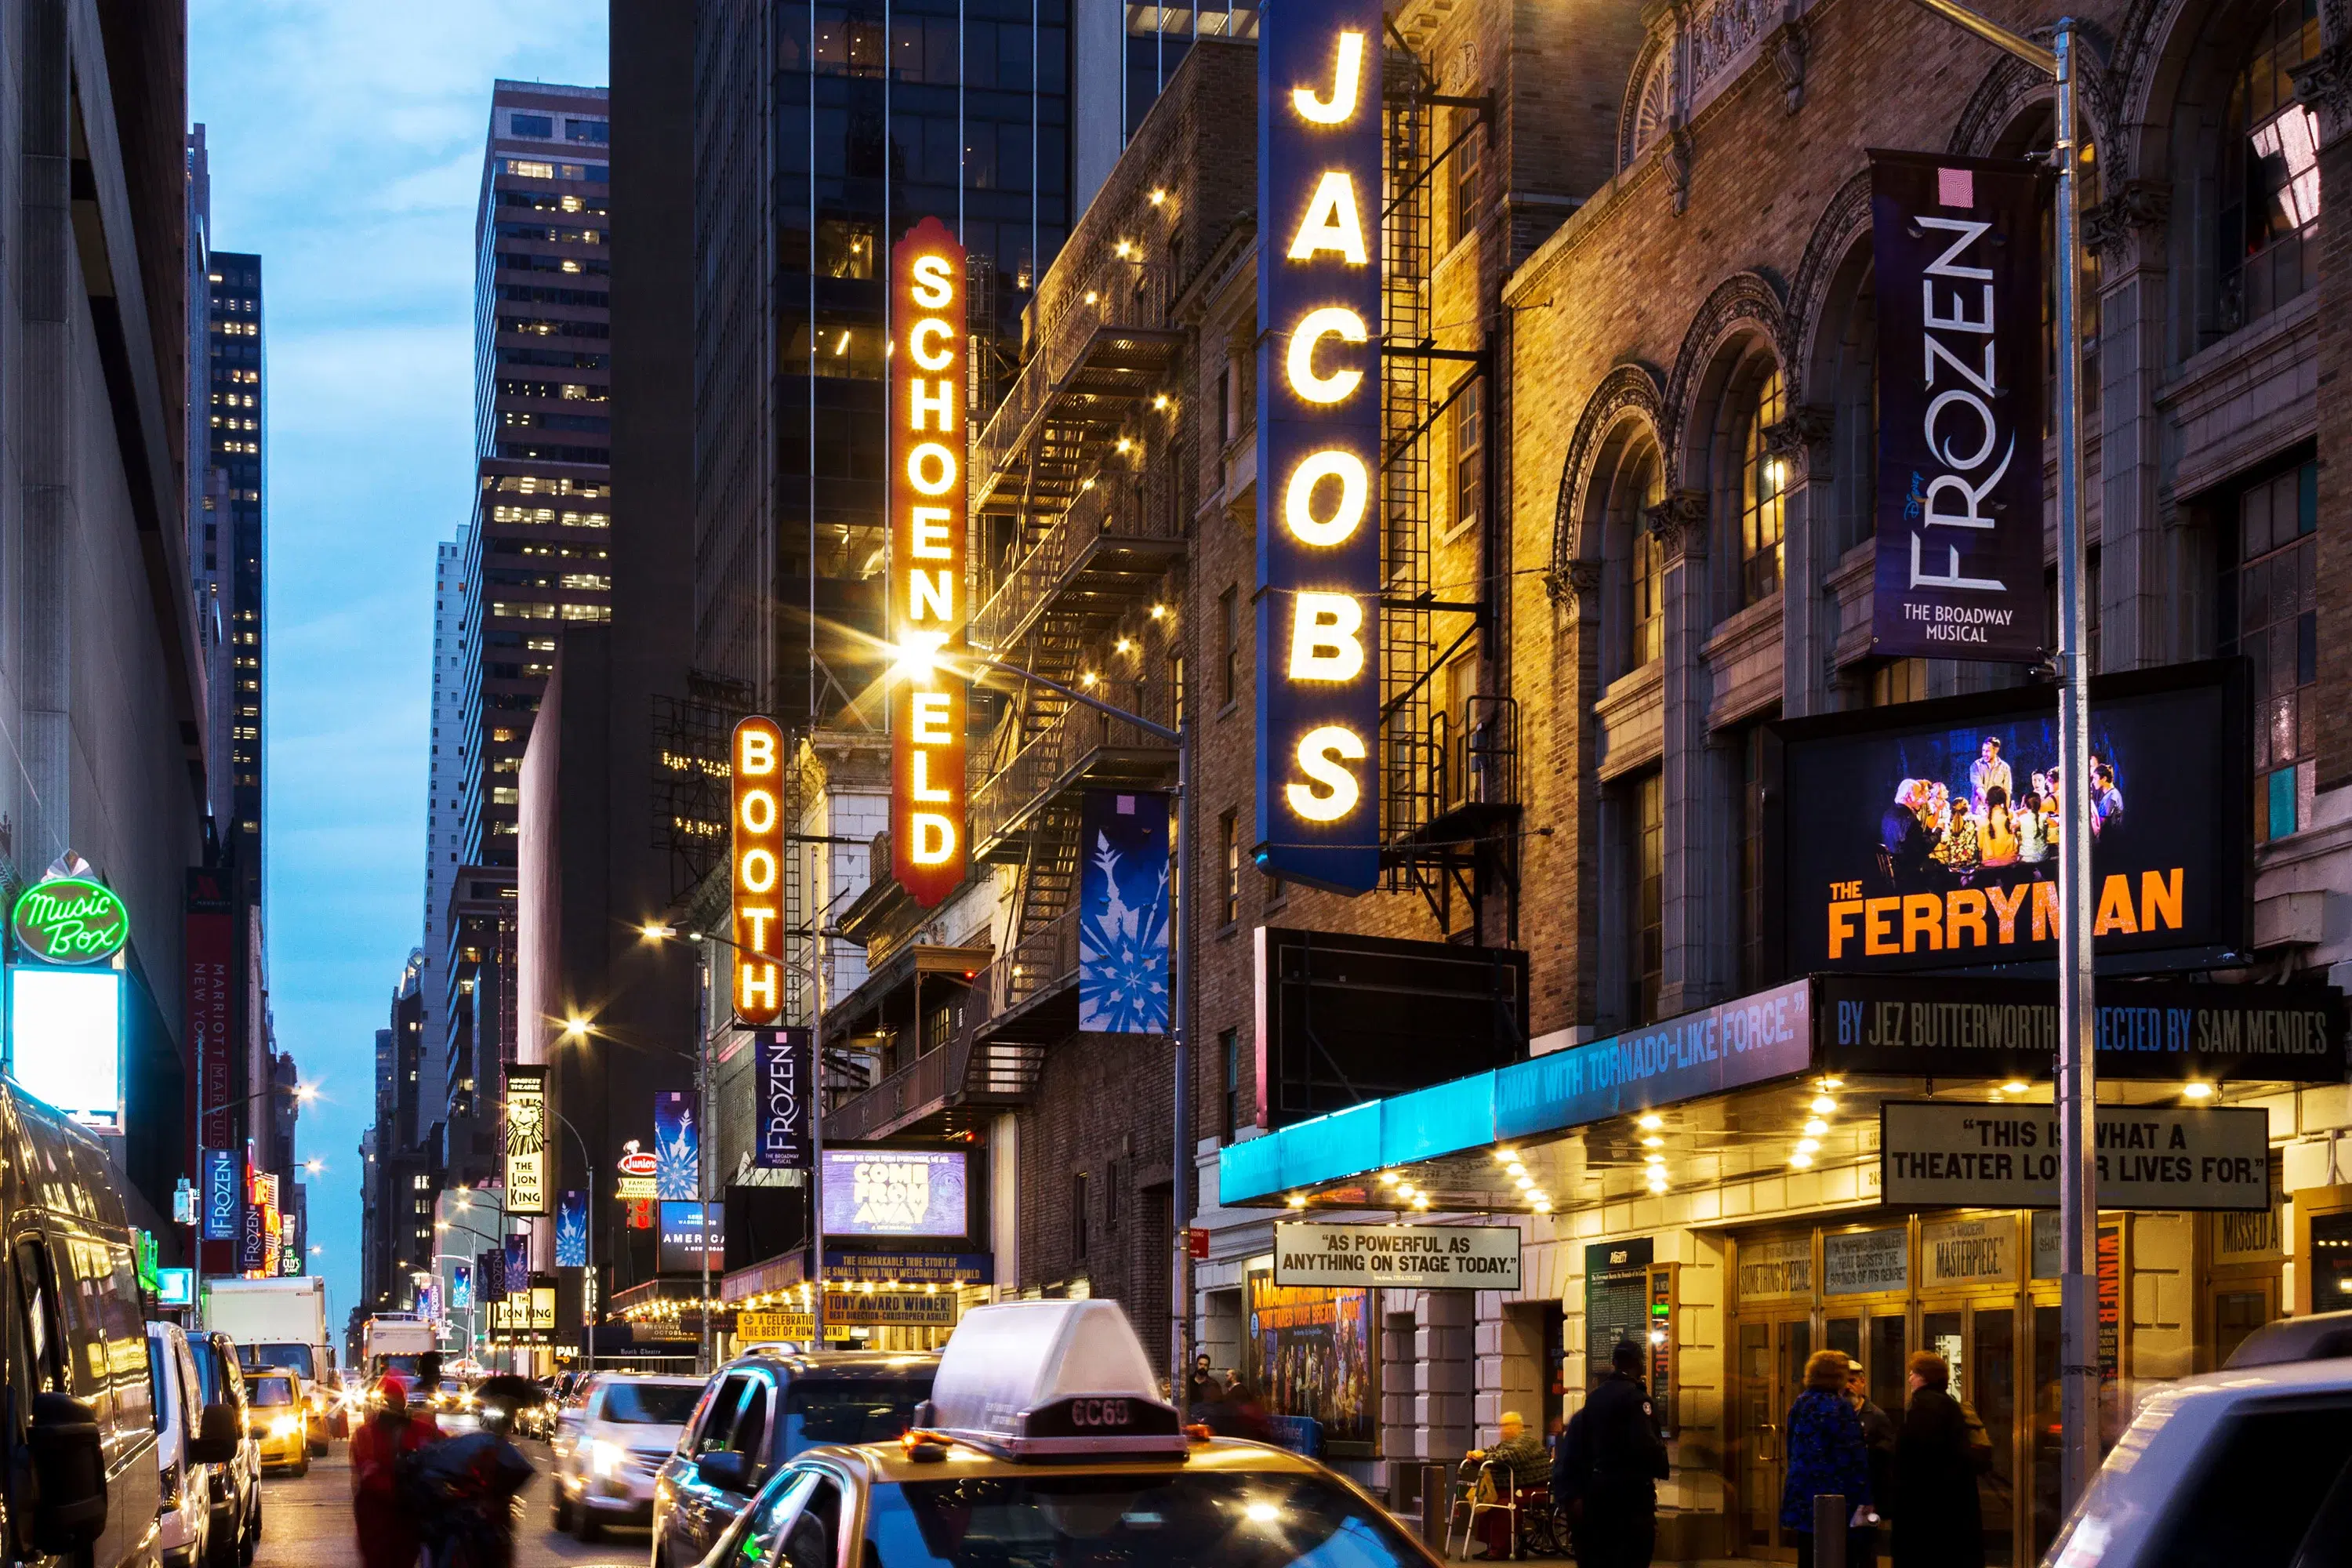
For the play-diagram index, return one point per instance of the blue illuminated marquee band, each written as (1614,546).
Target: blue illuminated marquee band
(1319,543)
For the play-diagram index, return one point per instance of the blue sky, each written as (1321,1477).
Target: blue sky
(346,140)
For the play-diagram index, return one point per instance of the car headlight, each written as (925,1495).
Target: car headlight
(605,1457)
(286,1426)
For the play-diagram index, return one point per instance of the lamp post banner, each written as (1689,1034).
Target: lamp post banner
(1957,246)
(220,1195)
(678,1147)
(517,1263)
(526,1118)
(781,1076)
(1123,898)
(571,1228)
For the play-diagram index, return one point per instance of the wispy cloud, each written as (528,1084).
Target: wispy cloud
(346,142)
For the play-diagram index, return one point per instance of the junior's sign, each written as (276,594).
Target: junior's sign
(1319,420)
(1957,246)
(757,854)
(927,560)
(2169,1030)
(1943,1154)
(1398,1257)
(526,1140)
(1928,836)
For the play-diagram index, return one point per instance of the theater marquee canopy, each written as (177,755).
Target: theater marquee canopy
(1788,1079)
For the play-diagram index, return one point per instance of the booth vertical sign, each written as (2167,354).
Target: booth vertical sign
(757,861)
(526,1139)
(1957,246)
(927,515)
(1318,419)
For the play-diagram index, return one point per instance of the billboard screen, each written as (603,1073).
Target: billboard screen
(1926,836)
(895,1191)
(687,1231)
(65,1033)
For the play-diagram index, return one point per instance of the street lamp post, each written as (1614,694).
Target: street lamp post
(1180,1154)
(2078,1360)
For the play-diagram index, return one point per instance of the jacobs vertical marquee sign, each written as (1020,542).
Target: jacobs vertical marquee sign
(927,560)
(1318,547)
(756,856)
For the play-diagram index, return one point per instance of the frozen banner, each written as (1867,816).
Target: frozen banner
(491,1268)
(1958,244)
(1123,918)
(461,1287)
(781,1076)
(571,1228)
(678,1147)
(517,1263)
(220,1194)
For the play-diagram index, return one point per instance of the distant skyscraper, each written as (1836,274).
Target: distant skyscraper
(533,558)
(236,542)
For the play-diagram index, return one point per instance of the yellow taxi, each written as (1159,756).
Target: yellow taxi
(1045,1443)
(279,1420)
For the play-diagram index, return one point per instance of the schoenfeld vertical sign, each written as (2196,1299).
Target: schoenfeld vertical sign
(1319,388)
(927,560)
(1957,246)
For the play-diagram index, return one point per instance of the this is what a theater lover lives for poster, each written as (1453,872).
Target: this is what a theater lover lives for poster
(1312,1350)
(1928,836)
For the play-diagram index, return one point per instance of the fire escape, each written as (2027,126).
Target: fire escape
(1076,521)
(1450,796)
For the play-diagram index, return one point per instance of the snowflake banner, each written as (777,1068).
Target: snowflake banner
(571,1228)
(1123,896)
(678,1147)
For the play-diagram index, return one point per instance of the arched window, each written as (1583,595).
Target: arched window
(1654,106)
(1761,493)
(1646,619)
(2268,246)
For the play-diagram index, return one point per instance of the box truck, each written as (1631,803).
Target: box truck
(281,1323)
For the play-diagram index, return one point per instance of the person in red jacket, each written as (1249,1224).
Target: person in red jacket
(387,1529)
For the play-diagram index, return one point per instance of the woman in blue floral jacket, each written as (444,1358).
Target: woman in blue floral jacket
(1825,1450)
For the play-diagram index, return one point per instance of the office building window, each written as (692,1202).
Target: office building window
(1229,1059)
(2270,170)
(1469,172)
(1761,490)
(1470,453)
(1646,895)
(1229,647)
(2269,611)
(1230,855)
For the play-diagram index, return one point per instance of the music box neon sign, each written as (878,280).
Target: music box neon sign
(1319,420)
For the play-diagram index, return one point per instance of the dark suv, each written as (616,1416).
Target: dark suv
(761,1410)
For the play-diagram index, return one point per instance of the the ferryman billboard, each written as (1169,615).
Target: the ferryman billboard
(1926,836)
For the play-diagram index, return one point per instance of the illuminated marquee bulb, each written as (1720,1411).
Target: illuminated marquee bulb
(1331,321)
(1320,751)
(1347,80)
(1299,498)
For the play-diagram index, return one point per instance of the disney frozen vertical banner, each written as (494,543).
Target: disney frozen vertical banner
(678,1147)
(1123,895)
(1957,245)
(571,1228)
(517,1263)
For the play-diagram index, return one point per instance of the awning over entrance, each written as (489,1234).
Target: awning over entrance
(1792,1076)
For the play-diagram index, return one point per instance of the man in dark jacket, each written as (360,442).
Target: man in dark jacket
(1611,1461)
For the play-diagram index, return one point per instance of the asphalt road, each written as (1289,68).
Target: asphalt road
(307,1523)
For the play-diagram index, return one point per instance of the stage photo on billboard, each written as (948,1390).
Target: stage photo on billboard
(1928,836)
(1312,1352)
(895,1191)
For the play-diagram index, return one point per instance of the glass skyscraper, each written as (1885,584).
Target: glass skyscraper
(873,117)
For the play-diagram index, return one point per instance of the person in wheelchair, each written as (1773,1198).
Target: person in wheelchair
(1522,1464)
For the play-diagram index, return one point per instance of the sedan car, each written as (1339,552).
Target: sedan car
(611,1445)
(763,1410)
(279,1421)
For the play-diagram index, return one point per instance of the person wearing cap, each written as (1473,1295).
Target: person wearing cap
(1609,1465)
(1521,1463)
(387,1529)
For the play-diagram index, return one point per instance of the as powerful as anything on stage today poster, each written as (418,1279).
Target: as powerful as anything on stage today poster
(1313,1352)
(1957,246)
